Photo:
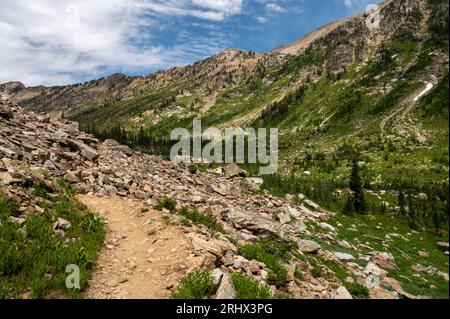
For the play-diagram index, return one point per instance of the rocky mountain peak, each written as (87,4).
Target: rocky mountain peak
(11,87)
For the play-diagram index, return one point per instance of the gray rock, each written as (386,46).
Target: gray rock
(327,227)
(308,246)
(311,205)
(289,197)
(423,196)
(17,220)
(86,151)
(226,289)
(284,218)
(293,212)
(341,293)
(384,259)
(217,276)
(256,223)
(300,227)
(237,264)
(72,177)
(380,293)
(253,267)
(220,189)
(7,152)
(5,178)
(254,182)
(343,256)
(61,224)
(233,170)
(228,260)
(372,281)
(198,199)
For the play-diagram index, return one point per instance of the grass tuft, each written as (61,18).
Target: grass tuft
(247,288)
(34,257)
(198,218)
(166,203)
(196,285)
(271,253)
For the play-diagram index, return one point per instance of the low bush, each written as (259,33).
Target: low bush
(166,203)
(247,288)
(358,291)
(198,218)
(196,285)
(271,256)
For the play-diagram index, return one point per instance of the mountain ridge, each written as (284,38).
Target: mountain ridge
(29,93)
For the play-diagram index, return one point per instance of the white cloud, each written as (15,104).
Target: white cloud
(262,20)
(61,41)
(273,7)
(227,7)
(348,3)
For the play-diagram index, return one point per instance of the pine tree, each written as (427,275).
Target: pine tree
(349,206)
(359,202)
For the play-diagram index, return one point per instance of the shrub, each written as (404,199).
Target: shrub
(316,272)
(196,285)
(270,255)
(203,219)
(247,288)
(298,274)
(66,188)
(358,291)
(7,207)
(166,203)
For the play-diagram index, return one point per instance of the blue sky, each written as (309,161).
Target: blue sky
(55,42)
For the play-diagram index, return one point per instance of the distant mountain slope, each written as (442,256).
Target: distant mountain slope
(343,83)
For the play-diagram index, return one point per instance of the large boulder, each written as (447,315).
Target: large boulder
(86,151)
(259,224)
(213,246)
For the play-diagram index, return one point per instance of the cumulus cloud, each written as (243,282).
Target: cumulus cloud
(62,41)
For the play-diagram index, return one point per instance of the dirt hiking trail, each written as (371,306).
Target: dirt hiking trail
(144,256)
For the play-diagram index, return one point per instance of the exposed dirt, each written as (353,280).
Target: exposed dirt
(143,257)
